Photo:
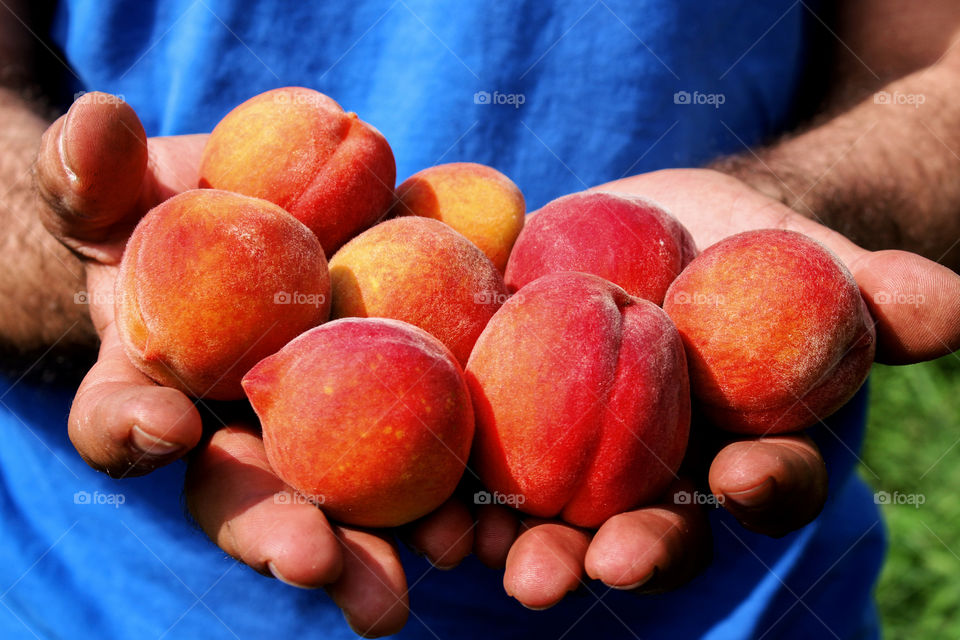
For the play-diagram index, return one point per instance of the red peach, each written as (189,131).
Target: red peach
(776,332)
(628,240)
(210,283)
(420,271)
(370,418)
(297,148)
(581,399)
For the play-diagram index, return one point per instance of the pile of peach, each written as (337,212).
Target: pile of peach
(560,358)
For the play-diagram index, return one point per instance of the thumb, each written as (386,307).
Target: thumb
(89,174)
(916,303)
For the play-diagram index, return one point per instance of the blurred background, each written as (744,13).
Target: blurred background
(912,452)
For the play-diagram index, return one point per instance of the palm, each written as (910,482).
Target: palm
(713,206)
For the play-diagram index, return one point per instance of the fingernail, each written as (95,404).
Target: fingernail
(62,150)
(279,576)
(150,445)
(532,608)
(754,497)
(636,585)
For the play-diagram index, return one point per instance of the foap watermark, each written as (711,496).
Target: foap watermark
(514,500)
(286,497)
(698,498)
(897,498)
(696,98)
(898,297)
(909,99)
(710,299)
(512,99)
(97,498)
(492,297)
(300,97)
(98,97)
(312,299)
(96,297)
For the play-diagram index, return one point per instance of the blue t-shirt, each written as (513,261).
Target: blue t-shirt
(559,95)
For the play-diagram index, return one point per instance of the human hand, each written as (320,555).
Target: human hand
(772,485)
(96,175)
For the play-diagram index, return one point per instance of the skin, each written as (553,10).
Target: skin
(123,424)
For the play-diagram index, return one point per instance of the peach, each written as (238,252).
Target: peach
(776,332)
(297,148)
(420,271)
(210,283)
(628,240)
(581,399)
(369,418)
(476,200)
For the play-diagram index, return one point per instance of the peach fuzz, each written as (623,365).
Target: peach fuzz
(210,283)
(776,332)
(476,200)
(369,418)
(420,271)
(297,148)
(581,399)
(625,239)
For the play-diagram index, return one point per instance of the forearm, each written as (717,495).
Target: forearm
(882,173)
(38,276)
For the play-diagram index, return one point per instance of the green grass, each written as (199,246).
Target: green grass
(913,446)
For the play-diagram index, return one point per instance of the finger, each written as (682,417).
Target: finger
(372,588)
(772,485)
(124,424)
(915,302)
(497,529)
(90,172)
(652,549)
(444,537)
(255,517)
(545,563)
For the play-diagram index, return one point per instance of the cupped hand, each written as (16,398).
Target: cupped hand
(96,175)
(772,484)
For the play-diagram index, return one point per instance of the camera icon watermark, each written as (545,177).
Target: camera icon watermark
(696,98)
(514,500)
(97,498)
(99,297)
(708,299)
(512,99)
(897,498)
(286,497)
(490,297)
(897,98)
(311,299)
(897,297)
(286,97)
(698,498)
(98,97)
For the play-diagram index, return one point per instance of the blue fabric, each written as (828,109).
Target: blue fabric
(598,78)
(577,93)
